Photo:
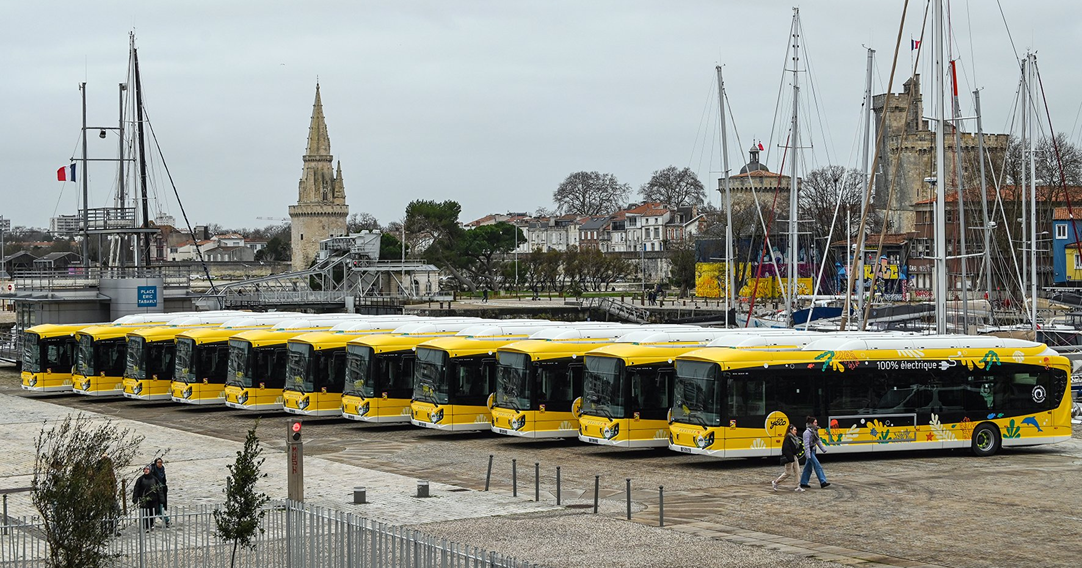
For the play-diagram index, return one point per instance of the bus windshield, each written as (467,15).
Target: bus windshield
(183,372)
(299,370)
(31,353)
(360,381)
(84,359)
(696,393)
(430,376)
(513,381)
(136,363)
(603,387)
(207,362)
(237,372)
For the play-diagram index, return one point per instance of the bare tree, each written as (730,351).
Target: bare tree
(675,188)
(358,222)
(590,193)
(820,192)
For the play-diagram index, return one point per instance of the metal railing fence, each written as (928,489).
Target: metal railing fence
(294,535)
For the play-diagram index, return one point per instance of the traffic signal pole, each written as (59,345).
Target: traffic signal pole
(295,458)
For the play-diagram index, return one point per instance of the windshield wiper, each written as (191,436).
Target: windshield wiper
(695,420)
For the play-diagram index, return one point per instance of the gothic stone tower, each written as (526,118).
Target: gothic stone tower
(321,208)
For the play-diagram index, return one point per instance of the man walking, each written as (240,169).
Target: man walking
(812,443)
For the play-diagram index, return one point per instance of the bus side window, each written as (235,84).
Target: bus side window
(336,378)
(747,398)
(278,368)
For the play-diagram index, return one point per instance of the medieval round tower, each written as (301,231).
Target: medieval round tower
(321,208)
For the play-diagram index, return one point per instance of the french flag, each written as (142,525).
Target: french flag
(66,173)
(914,44)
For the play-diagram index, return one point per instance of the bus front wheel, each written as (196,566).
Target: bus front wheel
(986,440)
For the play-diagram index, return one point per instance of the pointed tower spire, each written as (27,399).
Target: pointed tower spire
(319,142)
(339,186)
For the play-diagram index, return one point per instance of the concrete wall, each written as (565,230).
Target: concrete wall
(125,295)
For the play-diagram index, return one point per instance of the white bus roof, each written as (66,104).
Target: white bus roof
(439,325)
(508,327)
(370,323)
(585,332)
(914,341)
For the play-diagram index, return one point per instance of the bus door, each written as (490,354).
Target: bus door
(650,400)
(745,430)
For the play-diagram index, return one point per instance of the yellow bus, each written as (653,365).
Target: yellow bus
(454,378)
(873,394)
(256,372)
(539,379)
(379,369)
(316,371)
(101,355)
(202,358)
(628,386)
(48,356)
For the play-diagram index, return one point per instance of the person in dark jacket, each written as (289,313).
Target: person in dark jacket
(146,497)
(158,469)
(789,449)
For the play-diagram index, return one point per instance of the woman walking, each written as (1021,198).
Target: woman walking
(158,469)
(789,449)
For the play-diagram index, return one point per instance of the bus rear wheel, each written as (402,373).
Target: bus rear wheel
(985,440)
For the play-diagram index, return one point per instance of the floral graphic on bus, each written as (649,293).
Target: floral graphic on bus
(827,357)
(1012,430)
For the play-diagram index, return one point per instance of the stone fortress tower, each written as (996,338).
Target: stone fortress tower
(321,208)
(909,142)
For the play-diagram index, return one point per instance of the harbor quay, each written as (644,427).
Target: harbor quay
(717,512)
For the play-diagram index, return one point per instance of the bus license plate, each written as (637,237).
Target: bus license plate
(501,431)
(592,440)
(685,449)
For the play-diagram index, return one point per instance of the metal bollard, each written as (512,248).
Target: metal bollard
(422,489)
(488,476)
(660,505)
(514,477)
(597,487)
(123,494)
(557,485)
(628,498)
(537,481)
(5,513)
(360,495)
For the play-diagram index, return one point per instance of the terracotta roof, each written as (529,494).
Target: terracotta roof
(1012,193)
(1064,214)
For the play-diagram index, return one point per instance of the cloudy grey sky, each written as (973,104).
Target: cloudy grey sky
(491,103)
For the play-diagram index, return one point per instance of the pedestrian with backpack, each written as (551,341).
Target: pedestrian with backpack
(791,449)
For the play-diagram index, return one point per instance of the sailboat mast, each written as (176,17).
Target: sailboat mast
(984,203)
(1022,186)
(867,171)
(940,209)
(121,190)
(86,207)
(145,237)
(791,287)
(956,113)
(1031,68)
(728,205)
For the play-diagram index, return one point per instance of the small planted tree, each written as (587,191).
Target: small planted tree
(75,490)
(241,517)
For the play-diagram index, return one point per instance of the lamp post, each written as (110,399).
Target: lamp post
(5,224)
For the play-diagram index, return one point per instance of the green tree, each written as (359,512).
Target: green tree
(240,518)
(435,229)
(390,248)
(74,487)
(483,244)
(682,257)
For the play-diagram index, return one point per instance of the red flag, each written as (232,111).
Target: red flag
(66,173)
(761,147)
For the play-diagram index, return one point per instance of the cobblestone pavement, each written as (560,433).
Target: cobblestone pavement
(898,509)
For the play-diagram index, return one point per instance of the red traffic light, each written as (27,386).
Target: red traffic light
(296,426)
